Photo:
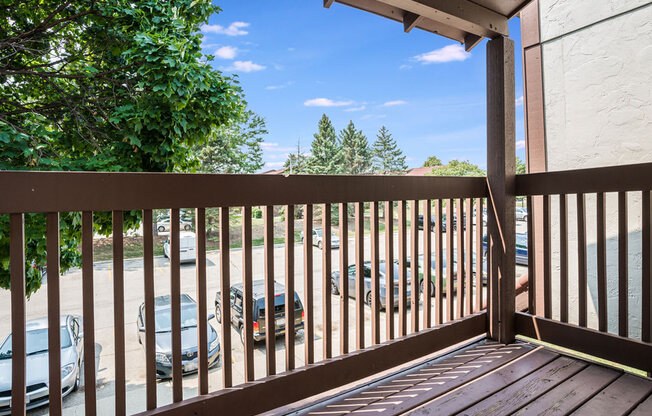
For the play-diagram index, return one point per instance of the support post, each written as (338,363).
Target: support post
(501,161)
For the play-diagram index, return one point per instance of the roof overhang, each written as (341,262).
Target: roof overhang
(465,21)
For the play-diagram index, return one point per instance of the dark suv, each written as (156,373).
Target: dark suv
(258,292)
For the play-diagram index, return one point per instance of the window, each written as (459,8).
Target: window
(238,301)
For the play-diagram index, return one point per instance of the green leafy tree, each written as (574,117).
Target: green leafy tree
(432,161)
(103,86)
(458,168)
(520,166)
(388,158)
(356,152)
(326,156)
(234,148)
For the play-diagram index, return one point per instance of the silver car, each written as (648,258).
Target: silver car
(72,353)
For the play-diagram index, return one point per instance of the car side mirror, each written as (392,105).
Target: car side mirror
(211,316)
(142,328)
(80,335)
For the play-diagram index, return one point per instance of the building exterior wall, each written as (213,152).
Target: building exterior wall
(596,64)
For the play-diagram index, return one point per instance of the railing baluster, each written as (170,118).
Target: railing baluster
(414,265)
(290,315)
(247,294)
(547,258)
(54,319)
(459,267)
(468,257)
(602,262)
(427,261)
(200,283)
(119,314)
(389,268)
(175,296)
(439,265)
(646,265)
(327,345)
(344,278)
(402,271)
(270,312)
(581,259)
(450,306)
(17,284)
(563,258)
(88,296)
(479,257)
(532,282)
(359,275)
(623,253)
(225,291)
(375,276)
(150,333)
(307,285)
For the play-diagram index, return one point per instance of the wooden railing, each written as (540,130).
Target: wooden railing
(544,322)
(443,322)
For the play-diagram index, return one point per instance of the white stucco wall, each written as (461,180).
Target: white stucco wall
(597,77)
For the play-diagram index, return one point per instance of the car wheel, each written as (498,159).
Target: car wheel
(77,379)
(334,289)
(368,299)
(218,314)
(320,245)
(242,334)
(161,229)
(187,227)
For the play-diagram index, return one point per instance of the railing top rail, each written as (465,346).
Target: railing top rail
(636,177)
(105,191)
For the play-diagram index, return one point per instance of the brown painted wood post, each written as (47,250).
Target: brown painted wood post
(501,161)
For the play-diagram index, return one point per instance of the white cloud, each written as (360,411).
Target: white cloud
(519,101)
(234,29)
(226,52)
(326,102)
(520,144)
(280,86)
(405,66)
(274,164)
(394,103)
(448,53)
(361,108)
(275,147)
(267,145)
(245,66)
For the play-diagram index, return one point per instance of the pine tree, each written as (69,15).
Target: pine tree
(388,158)
(356,152)
(296,162)
(326,156)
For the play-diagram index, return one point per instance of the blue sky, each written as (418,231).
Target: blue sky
(296,60)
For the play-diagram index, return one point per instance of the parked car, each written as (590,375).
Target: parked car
(521,214)
(317,239)
(37,370)
(335,282)
(521,248)
(433,275)
(258,294)
(432,223)
(164,224)
(163,329)
(186,247)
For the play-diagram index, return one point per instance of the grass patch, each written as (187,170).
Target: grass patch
(584,356)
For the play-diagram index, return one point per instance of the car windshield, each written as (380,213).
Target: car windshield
(36,342)
(318,232)
(163,318)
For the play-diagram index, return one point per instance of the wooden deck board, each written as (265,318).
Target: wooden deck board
(572,393)
(488,378)
(619,398)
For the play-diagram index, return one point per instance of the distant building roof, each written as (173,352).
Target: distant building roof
(274,172)
(420,171)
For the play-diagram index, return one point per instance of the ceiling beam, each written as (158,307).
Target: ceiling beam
(328,3)
(410,20)
(462,14)
(470,41)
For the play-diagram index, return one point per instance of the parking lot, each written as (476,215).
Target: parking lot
(71,303)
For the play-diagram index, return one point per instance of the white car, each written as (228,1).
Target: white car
(164,225)
(521,214)
(187,247)
(317,239)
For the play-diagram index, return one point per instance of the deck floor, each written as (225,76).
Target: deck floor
(488,378)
